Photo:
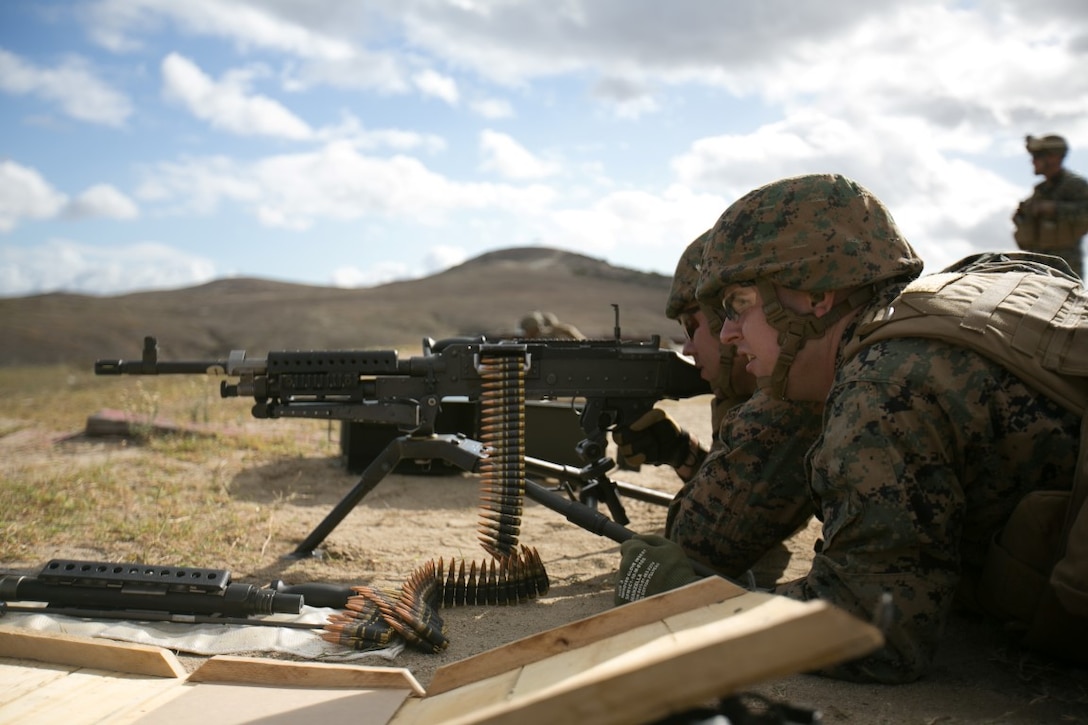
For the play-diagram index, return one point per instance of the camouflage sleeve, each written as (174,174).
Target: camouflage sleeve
(891,503)
(751,492)
(1071,199)
(926,450)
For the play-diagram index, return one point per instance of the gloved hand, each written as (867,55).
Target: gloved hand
(655,438)
(649,565)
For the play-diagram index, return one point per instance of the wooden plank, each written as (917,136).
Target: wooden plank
(557,669)
(282,673)
(579,633)
(455,703)
(139,709)
(84,696)
(235,704)
(18,677)
(649,681)
(68,649)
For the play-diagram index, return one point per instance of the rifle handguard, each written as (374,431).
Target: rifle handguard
(178,590)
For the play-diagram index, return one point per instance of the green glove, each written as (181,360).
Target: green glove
(655,438)
(649,565)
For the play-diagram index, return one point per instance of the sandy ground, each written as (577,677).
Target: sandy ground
(409,519)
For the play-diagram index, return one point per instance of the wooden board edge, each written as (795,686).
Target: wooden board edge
(90,652)
(579,633)
(843,637)
(286,673)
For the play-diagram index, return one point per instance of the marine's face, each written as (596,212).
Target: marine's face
(700,343)
(1046,163)
(745,326)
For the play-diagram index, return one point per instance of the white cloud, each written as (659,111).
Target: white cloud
(629,99)
(72,86)
(114,23)
(351,129)
(443,257)
(947,207)
(318,34)
(432,83)
(24,194)
(505,156)
(102,200)
(493,108)
(197,186)
(62,265)
(334,182)
(351,277)
(435,260)
(990,65)
(228,104)
(632,223)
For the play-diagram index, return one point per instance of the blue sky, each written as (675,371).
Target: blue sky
(163,143)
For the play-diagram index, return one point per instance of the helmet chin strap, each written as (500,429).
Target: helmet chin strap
(795,329)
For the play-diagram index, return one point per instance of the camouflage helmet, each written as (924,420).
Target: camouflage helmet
(682,297)
(1050,142)
(816,233)
(686,278)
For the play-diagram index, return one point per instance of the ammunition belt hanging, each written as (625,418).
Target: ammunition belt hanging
(502,433)
(374,616)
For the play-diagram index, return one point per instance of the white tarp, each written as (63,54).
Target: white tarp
(209,639)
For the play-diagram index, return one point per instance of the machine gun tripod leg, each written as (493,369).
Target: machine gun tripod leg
(455,449)
(585,486)
(590,484)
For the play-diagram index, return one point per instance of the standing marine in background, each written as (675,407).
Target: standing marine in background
(1054,219)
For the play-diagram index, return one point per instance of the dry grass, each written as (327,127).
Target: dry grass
(149,498)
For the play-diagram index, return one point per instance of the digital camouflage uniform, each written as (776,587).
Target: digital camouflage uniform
(751,492)
(754,464)
(926,446)
(1060,234)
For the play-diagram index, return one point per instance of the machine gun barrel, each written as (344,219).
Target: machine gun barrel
(149,364)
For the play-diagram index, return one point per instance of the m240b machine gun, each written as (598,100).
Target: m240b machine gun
(611,382)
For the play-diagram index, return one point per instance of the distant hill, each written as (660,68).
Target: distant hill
(485,295)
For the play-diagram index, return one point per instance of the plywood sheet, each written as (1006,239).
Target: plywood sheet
(580,633)
(686,657)
(82,696)
(234,704)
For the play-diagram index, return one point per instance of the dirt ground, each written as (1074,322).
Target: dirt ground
(409,519)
